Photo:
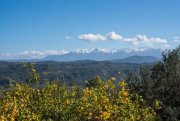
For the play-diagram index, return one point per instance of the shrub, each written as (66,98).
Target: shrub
(160,81)
(53,101)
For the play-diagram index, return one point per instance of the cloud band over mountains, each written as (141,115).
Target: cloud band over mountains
(32,54)
(138,39)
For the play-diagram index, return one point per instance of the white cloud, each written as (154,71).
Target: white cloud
(32,54)
(39,54)
(92,37)
(99,37)
(6,56)
(138,39)
(68,37)
(165,46)
(113,36)
(145,40)
(176,39)
(131,41)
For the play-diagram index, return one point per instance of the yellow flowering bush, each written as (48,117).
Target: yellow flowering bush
(106,101)
(57,102)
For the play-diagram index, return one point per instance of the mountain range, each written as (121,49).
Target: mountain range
(99,54)
(140,55)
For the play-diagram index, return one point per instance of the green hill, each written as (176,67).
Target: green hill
(67,72)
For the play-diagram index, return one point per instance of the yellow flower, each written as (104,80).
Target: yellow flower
(113,78)
(125,93)
(95,98)
(122,84)
(22,104)
(2,118)
(105,115)
(132,118)
(138,117)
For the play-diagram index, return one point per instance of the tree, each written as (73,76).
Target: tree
(160,81)
(166,75)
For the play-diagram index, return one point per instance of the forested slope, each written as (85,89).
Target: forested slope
(67,72)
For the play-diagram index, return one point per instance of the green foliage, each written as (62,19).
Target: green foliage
(160,81)
(53,101)
(69,73)
(167,74)
(31,74)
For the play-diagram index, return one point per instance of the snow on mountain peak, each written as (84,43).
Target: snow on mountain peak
(94,50)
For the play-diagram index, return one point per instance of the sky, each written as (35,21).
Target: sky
(51,26)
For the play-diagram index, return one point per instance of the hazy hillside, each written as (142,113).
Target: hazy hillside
(74,72)
(67,72)
(138,59)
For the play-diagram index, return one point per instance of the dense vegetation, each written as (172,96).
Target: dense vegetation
(52,101)
(162,82)
(149,95)
(66,72)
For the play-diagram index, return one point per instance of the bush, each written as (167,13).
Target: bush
(160,81)
(53,101)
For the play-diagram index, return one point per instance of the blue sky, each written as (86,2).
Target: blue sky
(41,25)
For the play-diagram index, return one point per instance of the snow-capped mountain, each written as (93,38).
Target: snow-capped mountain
(99,50)
(100,54)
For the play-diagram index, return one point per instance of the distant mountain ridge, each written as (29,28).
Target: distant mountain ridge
(105,54)
(138,59)
(96,54)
